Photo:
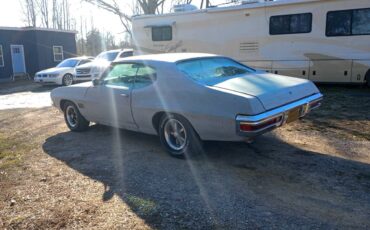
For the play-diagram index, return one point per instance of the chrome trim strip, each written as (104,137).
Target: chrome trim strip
(280,110)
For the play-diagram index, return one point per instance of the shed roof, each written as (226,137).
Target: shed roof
(36,29)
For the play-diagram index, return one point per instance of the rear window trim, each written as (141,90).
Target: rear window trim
(213,57)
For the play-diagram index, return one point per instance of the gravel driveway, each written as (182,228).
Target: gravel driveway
(311,174)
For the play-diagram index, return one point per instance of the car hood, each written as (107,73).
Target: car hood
(55,70)
(272,90)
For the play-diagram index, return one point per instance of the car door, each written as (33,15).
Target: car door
(110,102)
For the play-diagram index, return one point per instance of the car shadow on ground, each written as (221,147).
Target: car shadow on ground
(44,88)
(269,183)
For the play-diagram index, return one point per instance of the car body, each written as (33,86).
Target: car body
(94,69)
(63,73)
(212,97)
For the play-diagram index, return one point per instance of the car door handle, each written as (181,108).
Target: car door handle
(124,95)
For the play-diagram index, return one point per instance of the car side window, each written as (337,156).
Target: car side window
(145,76)
(122,74)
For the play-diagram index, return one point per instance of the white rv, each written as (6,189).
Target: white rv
(320,40)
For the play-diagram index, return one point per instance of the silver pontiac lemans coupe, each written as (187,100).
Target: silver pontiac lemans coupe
(186,98)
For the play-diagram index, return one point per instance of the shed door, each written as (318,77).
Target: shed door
(18,62)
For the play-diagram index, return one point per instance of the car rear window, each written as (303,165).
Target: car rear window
(205,69)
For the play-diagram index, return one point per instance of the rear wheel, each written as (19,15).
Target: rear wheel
(178,136)
(67,79)
(73,118)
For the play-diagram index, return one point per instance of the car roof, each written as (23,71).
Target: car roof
(111,51)
(79,58)
(166,57)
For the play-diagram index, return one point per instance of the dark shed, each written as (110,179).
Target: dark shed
(28,50)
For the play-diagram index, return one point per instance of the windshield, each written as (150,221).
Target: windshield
(109,56)
(68,63)
(205,69)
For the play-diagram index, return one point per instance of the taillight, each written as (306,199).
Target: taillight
(248,127)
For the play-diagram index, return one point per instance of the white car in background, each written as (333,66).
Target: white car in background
(93,70)
(63,73)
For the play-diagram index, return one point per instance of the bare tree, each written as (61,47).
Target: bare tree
(207,4)
(61,15)
(44,8)
(150,6)
(113,7)
(48,13)
(29,9)
(137,7)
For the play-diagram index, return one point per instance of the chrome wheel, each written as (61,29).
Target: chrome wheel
(71,115)
(67,79)
(175,134)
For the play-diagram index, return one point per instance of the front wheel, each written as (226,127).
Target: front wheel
(73,118)
(67,79)
(178,136)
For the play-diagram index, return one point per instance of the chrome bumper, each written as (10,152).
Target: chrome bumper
(276,117)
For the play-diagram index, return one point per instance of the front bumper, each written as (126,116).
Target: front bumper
(267,121)
(47,80)
(82,77)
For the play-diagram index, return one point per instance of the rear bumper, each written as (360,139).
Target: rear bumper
(272,119)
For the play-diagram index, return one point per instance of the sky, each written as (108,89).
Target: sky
(11,15)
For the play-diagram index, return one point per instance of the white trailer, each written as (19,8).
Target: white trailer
(320,40)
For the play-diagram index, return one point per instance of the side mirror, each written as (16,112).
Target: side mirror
(97,82)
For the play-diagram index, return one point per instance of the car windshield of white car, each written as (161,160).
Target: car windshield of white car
(208,69)
(68,63)
(109,56)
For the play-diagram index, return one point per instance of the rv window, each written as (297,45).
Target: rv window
(58,53)
(348,22)
(291,24)
(361,22)
(1,56)
(338,23)
(162,33)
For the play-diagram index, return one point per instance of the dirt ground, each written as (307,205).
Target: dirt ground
(311,174)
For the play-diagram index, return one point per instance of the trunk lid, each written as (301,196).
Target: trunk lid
(272,90)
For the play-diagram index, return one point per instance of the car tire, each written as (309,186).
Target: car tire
(67,79)
(73,118)
(178,137)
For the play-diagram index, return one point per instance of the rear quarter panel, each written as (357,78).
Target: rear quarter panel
(211,112)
